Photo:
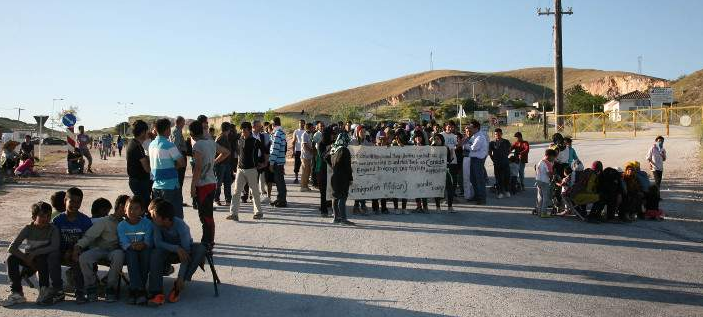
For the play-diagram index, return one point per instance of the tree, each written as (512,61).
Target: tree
(236,118)
(269,115)
(249,117)
(578,100)
(348,113)
(122,128)
(411,110)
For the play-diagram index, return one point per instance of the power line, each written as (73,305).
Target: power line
(558,66)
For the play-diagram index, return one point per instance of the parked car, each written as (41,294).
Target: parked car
(35,141)
(54,141)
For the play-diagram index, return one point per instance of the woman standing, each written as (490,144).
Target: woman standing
(120,144)
(323,150)
(399,140)
(360,139)
(466,165)
(438,140)
(340,159)
(419,140)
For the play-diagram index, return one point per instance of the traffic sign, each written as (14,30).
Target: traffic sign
(69,120)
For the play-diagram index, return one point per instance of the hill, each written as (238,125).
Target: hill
(529,84)
(688,91)
(7,125)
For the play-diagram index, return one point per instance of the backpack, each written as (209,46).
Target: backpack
(585,189)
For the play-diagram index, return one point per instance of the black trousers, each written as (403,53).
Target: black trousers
(501,170)
(658,178)
(205,213)
(48,266)
(322,184)
(298,162)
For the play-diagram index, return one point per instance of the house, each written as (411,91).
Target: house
(634,100)
(515,116)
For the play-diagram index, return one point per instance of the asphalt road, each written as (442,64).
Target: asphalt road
(496,260)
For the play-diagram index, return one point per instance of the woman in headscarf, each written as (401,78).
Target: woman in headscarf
(324,148)
(438,140)
(360,139)
(400,140)
(419,140)
(340,159)
(631,206)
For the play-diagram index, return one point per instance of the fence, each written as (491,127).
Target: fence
(669,121)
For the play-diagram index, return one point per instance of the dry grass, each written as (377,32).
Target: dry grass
(544,76)
(689,90)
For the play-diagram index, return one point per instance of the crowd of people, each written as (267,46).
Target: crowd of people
(13,163)
(147,231)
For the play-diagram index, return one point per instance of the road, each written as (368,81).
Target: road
(496,260)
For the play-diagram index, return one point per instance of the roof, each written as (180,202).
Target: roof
(633,95)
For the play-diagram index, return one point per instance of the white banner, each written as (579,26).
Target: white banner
(397,172)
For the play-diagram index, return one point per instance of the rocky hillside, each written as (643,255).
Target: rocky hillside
(688,91)
(529,84)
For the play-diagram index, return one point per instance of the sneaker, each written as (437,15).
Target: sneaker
(80,298)
(58,295)
(157,300)
(14,299)
(281,204)
(174,296)
(451,210)
(545,215)
(92,294)
(234,217)
(500,196)
(45,296)
(110,295)
(347,223)
(507,195)
(265,200)
(219,203)
(273,203)
(258,216)
(170,270)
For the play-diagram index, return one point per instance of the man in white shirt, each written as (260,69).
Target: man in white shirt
(479,151)
(306,157)
(298,147)
(656,157)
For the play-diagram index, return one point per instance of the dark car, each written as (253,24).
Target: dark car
(54,141)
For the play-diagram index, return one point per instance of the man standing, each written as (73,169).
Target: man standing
(656,157)
(306,156)
(298,148)
(223,169)
(499,150)
(277,161)
(106,146)
(522,148)
(83,142)
(138,163)
(451,140)
(479,151)
(252,157)
(206,155)
(165,159)
(177,139)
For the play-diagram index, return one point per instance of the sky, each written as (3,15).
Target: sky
(214,57)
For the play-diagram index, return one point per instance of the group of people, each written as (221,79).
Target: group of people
(566,187)
(13,163)
(148,238)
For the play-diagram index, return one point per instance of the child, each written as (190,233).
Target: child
(438,140)
(72,225)
(101,208)
(421,203)
(543,179)
(172,244)
(100,242)
(651,204)
(135,233)
(566,185)
(74,162)
(514,175)
(42,254)
(26,166)
(59,204)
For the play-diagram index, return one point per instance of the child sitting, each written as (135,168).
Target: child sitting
(566,184)
(101,208)
(135,233)
(514,175)
(543,180)
(172,244)
(74,162)
(100,242)
(72,225)
(58,203)
(42,254)
(651,204)
(26,166)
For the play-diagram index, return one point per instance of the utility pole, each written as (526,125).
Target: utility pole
(19,112)
(431,61)
(53,120)
(558,67)
(639,64)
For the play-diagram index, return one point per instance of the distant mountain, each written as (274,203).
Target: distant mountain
(688,91)
(529,84)
(7,125)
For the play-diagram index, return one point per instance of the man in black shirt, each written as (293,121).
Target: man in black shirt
(27,147)
(251,156)
(138,163)
(499,150)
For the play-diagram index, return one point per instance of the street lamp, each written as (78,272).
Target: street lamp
(124,127)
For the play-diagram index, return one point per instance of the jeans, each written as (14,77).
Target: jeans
(478,178)
(138,267)
(75,268)
(521,172)
(161,258)
(339,208)
(141,189)
(544,193)
(49,266)
(223,172)
(174,197)
(90,257)
(278,178)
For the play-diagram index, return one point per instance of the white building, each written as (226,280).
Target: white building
(516,116)
(634,100)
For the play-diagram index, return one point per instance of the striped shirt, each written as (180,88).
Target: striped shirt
(163,156)
(278,148)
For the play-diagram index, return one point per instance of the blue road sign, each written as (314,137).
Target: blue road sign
(69,120)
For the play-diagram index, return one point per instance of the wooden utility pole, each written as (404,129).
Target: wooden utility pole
(19,112)
(558,68)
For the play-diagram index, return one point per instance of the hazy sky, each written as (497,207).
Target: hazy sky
(213,57)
